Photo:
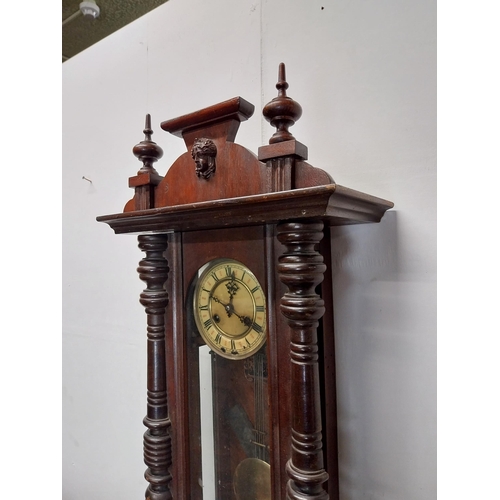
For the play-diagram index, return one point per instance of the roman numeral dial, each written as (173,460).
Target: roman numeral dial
(230,309)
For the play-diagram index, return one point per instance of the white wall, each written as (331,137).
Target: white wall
(365,75)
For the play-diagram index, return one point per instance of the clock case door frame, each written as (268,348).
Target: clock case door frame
(186,253)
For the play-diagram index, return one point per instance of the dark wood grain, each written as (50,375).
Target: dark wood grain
(147,178)
(235,109)
(334,204)
(176,368)
(153,269)
(327,370)
(282,112)
(301,269)
(279,367)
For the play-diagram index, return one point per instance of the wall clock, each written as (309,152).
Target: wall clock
(241,400)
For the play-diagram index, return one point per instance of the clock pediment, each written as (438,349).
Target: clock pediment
(214,166)
(238,172)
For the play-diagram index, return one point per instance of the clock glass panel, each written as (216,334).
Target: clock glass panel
(230,318)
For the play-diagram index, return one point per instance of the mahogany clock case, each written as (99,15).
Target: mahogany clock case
(273,214)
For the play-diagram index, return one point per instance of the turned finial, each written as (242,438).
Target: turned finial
(282,112)
(147,151)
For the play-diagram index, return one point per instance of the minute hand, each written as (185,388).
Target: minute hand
(229,308)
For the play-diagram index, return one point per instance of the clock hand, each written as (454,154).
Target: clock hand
(229,308)
(244,319)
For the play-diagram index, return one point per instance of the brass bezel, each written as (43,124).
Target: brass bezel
(203,276)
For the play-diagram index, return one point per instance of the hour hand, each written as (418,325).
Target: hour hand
(227,307)
(215,299)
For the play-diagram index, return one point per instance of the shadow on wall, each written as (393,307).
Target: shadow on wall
(365,252)
(365,269)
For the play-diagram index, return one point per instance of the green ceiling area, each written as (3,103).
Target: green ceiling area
(80,32)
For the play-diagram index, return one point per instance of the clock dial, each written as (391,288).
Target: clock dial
(230,309)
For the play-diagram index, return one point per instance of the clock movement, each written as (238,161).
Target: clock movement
(241,398)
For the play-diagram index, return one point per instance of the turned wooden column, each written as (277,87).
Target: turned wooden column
(153,269)
(301,269)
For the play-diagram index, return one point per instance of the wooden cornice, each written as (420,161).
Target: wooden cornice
(334,204)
